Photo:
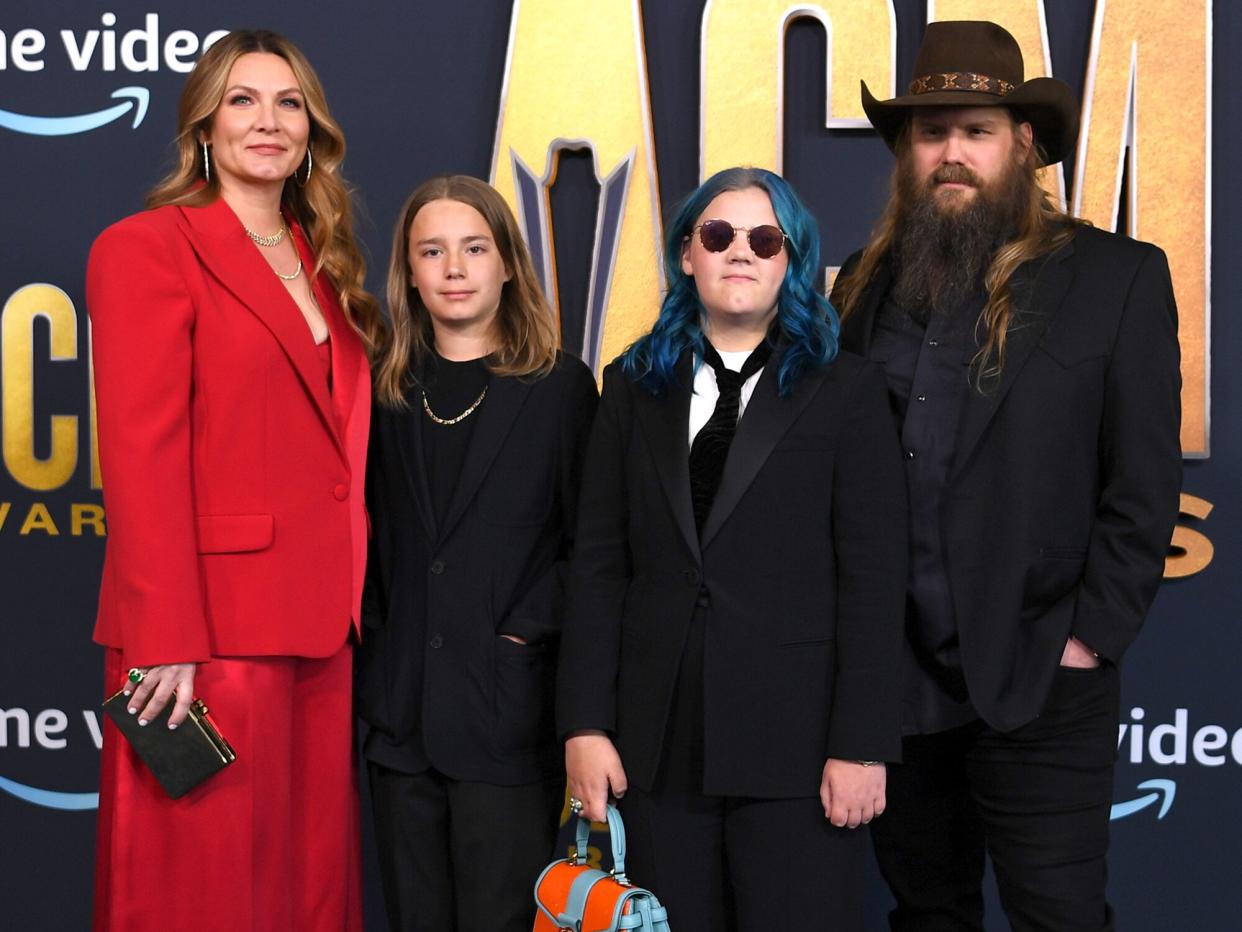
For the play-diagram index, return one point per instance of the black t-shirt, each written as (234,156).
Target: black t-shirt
(450,388)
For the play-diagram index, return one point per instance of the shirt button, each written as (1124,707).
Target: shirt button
(909,454)
(921,398)
(437,642)
(692,577)
(437,567)
(340,491)
(933,342)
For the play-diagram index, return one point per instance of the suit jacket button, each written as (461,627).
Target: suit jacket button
(437,567)
(692,577)
(437,642)
(340,491)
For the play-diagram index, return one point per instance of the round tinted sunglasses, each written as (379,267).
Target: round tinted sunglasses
(717,236)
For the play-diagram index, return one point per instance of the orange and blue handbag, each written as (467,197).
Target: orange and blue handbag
(571,896)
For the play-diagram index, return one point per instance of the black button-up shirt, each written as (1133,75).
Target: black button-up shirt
(928,372)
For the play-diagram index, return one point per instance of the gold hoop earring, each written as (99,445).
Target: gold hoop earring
(206,163)
(310,163)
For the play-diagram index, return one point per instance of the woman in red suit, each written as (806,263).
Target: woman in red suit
(231,332)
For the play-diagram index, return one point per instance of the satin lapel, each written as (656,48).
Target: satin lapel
(408,427)
(766,419)
(496,417)
(857,330)
(666,424)
(1038,288)
(220,241)
(347,352)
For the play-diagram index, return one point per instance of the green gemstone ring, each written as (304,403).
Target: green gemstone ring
(136,675)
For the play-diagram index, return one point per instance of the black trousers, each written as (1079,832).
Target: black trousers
(734,864)
(1036,799)
(461,857)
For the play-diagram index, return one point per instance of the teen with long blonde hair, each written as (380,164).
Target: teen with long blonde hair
(472,489)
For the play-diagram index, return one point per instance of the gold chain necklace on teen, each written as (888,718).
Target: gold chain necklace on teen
(449,422)
(275,240)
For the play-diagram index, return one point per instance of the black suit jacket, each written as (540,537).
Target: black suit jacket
(1065,484)
(803,557)
(431,664)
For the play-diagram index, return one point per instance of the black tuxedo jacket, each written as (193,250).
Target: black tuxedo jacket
(1065,484)
(431,663)
(803,558)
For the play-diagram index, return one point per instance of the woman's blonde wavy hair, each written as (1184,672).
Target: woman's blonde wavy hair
(527,334)
(1042,229)
(322,207)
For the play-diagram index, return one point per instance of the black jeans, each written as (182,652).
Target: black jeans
(1036,799)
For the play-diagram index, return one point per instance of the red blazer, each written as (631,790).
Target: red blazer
(233,479)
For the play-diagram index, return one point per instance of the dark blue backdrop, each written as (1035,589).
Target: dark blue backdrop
(417,89)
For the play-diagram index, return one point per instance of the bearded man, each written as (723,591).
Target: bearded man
(1033,370)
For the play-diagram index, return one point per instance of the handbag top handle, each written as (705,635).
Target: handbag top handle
(616,836)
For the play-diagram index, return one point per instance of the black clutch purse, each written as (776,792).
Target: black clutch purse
(181,759)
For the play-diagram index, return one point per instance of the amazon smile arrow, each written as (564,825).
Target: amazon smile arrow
(83,123)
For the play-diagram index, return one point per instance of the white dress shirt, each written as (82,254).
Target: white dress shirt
(706,392)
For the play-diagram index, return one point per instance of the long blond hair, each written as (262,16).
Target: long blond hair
(1042,228)
(322,206)
(527,334)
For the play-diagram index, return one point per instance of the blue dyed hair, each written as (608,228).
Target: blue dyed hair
(805,321)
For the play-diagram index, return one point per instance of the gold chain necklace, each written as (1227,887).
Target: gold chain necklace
(291,276)
(449,422)
(269,241)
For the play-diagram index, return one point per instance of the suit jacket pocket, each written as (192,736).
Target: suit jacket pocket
(525,678)
(234,533)
(807,615)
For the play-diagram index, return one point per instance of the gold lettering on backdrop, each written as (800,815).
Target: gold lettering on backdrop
(17,342)
(1190,550)
(39,519)
(86,516)
(576,77)
(1026,22)
(1157,132)
(5,507)
(742,82)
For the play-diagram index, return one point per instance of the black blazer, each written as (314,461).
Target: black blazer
(1065,484)
(431,663)
(803,557)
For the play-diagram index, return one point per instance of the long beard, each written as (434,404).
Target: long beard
(942,250)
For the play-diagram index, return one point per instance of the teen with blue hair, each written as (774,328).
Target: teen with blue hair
(730,645)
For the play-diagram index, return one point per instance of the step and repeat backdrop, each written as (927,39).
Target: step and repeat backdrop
(594,117)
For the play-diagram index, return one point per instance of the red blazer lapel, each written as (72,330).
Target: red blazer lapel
(347,351)
(220,240)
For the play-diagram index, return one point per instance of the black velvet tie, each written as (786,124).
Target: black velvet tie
(710,448)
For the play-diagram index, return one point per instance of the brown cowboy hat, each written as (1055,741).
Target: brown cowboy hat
(978,64)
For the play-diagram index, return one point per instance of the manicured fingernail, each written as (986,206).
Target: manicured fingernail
(124,692)
(172,727)
(142,721)
(132,710)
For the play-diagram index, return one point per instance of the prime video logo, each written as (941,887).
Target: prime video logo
(137,50)
(1170,744)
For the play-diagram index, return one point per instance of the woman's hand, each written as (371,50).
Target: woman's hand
(593,767)
(852,793)
(157,686)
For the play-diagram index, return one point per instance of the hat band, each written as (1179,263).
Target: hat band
(960,81)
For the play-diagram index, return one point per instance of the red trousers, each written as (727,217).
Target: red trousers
(270,842)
